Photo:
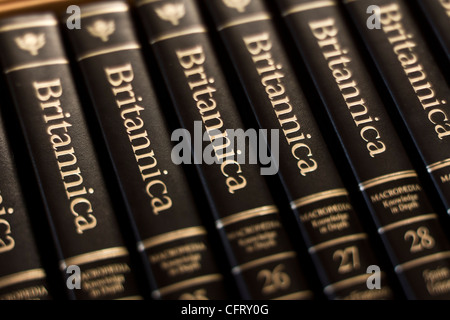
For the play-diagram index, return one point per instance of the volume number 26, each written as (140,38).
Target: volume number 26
(274,280)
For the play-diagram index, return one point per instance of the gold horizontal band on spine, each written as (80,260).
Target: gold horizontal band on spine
(300,295)
(245,215)
(144,2)
(243,20)
(438,165)
(171,236)
(49,22)
(309,6)
(24,276)
(94,256)
(13,7)
(423,260)
(318,197)
(186,284)
(343,284)
(334,242)
(261,261)
(184,32)
(406,222)
(112,8)
(43,63)
(131,298)
(124,47)
(387,178)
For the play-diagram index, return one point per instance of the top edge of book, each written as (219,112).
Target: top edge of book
(30,20)
(16,7)
(96,8)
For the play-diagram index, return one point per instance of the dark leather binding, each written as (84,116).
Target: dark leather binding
(22,276)
(331,228)
(415,82)
(438,15)
(262,258)
(400,208)
(170,233)
(73,189)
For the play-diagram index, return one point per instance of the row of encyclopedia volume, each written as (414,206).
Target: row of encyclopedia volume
(172,234)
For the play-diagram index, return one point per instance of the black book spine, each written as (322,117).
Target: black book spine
(22,276)
(402,213)
(438,15)
(415,81)
(261,256)
(69,174)
(331,228)
(170,233)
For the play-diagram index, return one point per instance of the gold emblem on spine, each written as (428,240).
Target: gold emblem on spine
(102,29)
(239,5)
(172,12)
(31,42)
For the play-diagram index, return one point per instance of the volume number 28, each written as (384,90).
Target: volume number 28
(421,239)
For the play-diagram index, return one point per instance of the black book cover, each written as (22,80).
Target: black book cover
(327,220)
(438,15)
(414,80)
(170,234)
(75,196)
(261,256)
(22,276)
(400,208)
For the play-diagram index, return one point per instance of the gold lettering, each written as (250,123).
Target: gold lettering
(7,242)
(120,79)
(391,19)
(44,90)
(83,223)
(48,93)
(192,60)
(323,29)
(233,183)
(326,33)
(304,166)
(189,58)
(259,46)
(116,76)
(446,5)
(257,43)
